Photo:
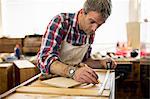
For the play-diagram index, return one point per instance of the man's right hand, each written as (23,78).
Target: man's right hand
(86,75)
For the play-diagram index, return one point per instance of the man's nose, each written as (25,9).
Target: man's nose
(94,27)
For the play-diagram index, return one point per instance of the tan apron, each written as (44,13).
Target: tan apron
(73,55)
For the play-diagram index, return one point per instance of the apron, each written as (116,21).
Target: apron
(73,55)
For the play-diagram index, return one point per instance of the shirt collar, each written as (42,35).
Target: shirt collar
(75,19)
(75,23)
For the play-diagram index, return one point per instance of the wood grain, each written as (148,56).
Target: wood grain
(49,96)
(61,91)
(61,82)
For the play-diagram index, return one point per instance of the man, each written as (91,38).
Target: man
(66,44)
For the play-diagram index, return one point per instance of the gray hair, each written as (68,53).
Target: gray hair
(101,6)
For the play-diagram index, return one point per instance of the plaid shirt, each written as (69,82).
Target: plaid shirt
(57,30)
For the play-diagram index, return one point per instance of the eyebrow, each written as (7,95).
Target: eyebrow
(96,22)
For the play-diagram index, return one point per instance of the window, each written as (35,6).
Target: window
(145,16)
(23,17)
(145,26)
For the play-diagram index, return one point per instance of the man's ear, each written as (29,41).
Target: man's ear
(82,11)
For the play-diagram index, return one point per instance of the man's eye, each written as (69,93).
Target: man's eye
(92,22)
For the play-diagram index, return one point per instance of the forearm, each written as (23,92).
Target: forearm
(59,68)
(95,64)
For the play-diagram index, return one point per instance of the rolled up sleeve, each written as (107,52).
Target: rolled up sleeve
(51,43)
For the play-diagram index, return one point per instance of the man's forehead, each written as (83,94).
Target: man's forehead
(96,17)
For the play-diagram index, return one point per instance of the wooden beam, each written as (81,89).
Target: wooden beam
(62,91)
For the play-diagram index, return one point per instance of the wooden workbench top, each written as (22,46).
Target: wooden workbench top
(38,89)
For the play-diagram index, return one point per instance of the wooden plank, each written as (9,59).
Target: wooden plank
(30,49)
(33,44)
(6,77)
(101,76)
(61,91)
(10,41)
(24,70)
(133,34)
(8,44)
(136,71)
(32,41)
(22,84)
(49,96)
(61,82)
(7,48)
(23,64)
(37,89)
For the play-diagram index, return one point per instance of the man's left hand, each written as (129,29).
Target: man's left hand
(108,63)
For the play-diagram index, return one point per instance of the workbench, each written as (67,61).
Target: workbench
(131,65)
(36,89)
(135,82)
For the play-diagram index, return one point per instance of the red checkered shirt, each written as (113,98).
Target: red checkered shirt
(57,30)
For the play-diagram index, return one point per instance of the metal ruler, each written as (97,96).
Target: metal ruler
(104,83)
